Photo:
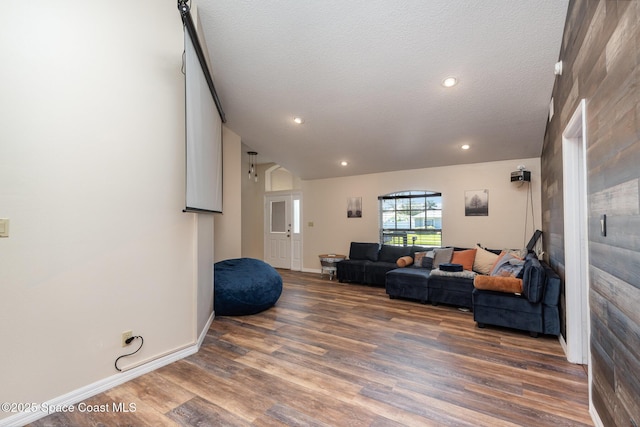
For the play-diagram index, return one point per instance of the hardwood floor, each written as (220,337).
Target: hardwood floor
(331,354)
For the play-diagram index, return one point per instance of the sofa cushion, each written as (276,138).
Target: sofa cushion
(364,251)
(552,286)
(499,302)
(351,270)
(389,253)
(465,257)
(442,255)
(484,260)
(534,280)
(375,272)
(498,284)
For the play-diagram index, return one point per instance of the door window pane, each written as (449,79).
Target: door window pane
(278,217)
(296,216)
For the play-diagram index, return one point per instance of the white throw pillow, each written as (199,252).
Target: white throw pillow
(484,260)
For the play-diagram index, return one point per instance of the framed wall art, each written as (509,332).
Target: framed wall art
(476,203)
(354,207)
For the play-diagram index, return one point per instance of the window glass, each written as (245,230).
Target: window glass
(278,217)
(411,218)
(296,216)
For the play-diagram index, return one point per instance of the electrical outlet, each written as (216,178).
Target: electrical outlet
(125,336)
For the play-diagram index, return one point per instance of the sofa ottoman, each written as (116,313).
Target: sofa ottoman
(410,283)
(448,289)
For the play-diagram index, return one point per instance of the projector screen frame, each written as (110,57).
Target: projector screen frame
(190,31)
(190,27)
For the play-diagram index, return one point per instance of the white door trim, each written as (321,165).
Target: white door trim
(576,237)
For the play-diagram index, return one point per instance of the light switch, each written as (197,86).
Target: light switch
(4,227)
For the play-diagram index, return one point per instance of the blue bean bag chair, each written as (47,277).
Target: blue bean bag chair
(244,286)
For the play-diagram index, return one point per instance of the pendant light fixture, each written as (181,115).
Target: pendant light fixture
(253,167)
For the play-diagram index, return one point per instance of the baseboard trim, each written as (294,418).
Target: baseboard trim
(563,344)
(595,417)
(311,270)
(203,333)
(83,393)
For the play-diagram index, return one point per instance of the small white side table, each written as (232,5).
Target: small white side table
(328,263)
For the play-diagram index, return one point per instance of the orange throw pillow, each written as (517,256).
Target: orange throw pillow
(498,283)
(465,258)
(404,261)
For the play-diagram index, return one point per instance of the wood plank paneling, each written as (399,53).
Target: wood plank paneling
(618,293)
(621,199)
(619,262)
(330,354)
(601,48)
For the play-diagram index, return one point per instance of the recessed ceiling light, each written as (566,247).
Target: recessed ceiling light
(465,146)
(449,82)
(344,163)
(298,120)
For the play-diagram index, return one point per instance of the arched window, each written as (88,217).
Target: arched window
(411,218)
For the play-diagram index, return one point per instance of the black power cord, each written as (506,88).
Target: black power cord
(129,341)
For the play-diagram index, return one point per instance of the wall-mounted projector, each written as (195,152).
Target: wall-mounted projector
(521,176)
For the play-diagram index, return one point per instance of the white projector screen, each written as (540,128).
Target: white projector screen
(203,137)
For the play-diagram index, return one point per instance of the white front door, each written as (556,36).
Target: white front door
(277,240)
(283,230)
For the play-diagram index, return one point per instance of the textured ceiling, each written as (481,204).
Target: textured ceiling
(366,77)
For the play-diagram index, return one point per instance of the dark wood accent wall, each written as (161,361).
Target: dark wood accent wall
(601,57)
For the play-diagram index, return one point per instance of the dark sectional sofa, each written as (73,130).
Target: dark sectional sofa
(535,309)
(369,263)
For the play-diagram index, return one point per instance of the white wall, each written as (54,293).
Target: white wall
(92,179)
(228,241)
(325,204)
(204,259)
(253,210)
(281,180)
(204,231)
